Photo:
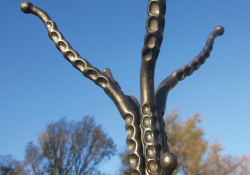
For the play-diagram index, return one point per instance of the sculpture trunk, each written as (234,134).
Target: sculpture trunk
(146,137)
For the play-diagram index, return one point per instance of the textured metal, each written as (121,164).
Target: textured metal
(151,137)
(149,153)
(104,80)
(178,75)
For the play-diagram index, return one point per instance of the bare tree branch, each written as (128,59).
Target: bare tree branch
(70,148)
(10,166)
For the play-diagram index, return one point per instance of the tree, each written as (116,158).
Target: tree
(10,166)
(70,148)
(196,155)
(125,167)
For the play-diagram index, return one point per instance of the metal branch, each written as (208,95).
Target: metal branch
(111,89)
(172,80)
(136,106)
(108,73)
(168,158)
(150,130)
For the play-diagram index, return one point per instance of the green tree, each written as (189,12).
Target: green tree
(196,155)
(70,148)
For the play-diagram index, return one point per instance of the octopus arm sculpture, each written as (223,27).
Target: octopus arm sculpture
(149,153)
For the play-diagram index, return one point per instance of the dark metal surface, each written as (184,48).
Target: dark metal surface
(151,138)
(180,74)
(146,136)
(104,80)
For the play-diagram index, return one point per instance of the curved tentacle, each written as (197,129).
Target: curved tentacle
(168,160)
(111,89)
(178,75)
(150,130)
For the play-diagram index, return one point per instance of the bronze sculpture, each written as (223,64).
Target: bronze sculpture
(146,137)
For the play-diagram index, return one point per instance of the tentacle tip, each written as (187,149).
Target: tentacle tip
(26,7)
(220,29)
(169,162)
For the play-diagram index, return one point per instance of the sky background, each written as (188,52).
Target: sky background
(37,85)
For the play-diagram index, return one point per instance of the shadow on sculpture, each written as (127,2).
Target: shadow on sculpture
(146,137)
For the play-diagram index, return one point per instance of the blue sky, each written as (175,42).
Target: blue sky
(37,85)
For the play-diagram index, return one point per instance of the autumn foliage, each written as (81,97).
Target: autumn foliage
(70,148)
